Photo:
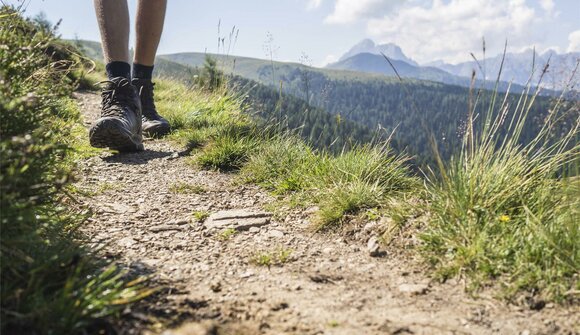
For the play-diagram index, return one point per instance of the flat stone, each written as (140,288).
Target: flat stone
(276,233)
(238,214)
(113,207)
(238,219)
(165,227)
(126,242)
(179,222)
(414,289)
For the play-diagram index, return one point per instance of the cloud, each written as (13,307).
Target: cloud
(547,5)
(574,41)
(450,29)
(313,4)
(329,60)
(347,11)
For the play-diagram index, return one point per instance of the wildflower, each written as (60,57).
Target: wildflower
(504,218)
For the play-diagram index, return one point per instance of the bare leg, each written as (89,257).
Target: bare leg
(113,18)
(149,25)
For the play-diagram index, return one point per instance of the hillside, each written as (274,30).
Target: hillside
(364,102)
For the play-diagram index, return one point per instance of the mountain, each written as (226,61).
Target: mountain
(370,63)
(517,67)
(392,51)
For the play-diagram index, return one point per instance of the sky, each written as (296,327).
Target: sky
(320,31)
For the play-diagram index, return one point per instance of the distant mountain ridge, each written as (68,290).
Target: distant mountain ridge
(392,51)
(517,67)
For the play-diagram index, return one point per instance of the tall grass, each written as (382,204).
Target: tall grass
(51,284)
(502,210)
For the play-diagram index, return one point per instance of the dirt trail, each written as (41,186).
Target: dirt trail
(328,285)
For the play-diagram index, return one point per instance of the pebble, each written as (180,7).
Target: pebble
(373,247)
(276,234)
(414,289)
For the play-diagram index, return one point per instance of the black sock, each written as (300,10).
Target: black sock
(118,69)
(142,71)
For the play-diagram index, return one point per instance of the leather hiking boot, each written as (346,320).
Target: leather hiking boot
(154,125)
(119,126)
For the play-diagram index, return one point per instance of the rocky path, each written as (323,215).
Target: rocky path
(273,277)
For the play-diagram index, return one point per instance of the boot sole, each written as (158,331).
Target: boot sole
(109,133)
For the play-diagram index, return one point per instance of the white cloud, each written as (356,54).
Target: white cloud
(329,60)
(313,4)
(547,5)
(450,29)
(347,11)
(574,41)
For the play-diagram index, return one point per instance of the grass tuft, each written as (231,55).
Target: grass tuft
(501,208)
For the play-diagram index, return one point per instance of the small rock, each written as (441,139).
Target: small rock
(126,242)
(327,250)
(246,274)
(276,234)
(116,208)
(173,156)
(254,230)
(373,247)
(179,222)
(280,306)
(525,332)
(414,289)
(216,286)
(239,219)
(165,227)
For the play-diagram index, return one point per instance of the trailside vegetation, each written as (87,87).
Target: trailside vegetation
(51,283)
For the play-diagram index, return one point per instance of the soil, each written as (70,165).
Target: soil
(212,281)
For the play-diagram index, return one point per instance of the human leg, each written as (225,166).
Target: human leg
(148,29)
(119,126)
(113,20)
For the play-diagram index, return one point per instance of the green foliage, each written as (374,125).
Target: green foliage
(500,209)
(279,256)
(200,216)
(357,179)
(227,234)
(50,284)
(186,188)
(226,153)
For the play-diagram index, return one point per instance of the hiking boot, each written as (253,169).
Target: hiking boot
(154,125)
(119,126)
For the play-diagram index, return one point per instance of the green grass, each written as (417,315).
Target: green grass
(279,257)
(200,216)
(500,213)
(226,234)
(353,181)
(51,282)
(186,188)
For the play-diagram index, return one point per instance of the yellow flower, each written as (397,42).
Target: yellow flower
(504,218)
